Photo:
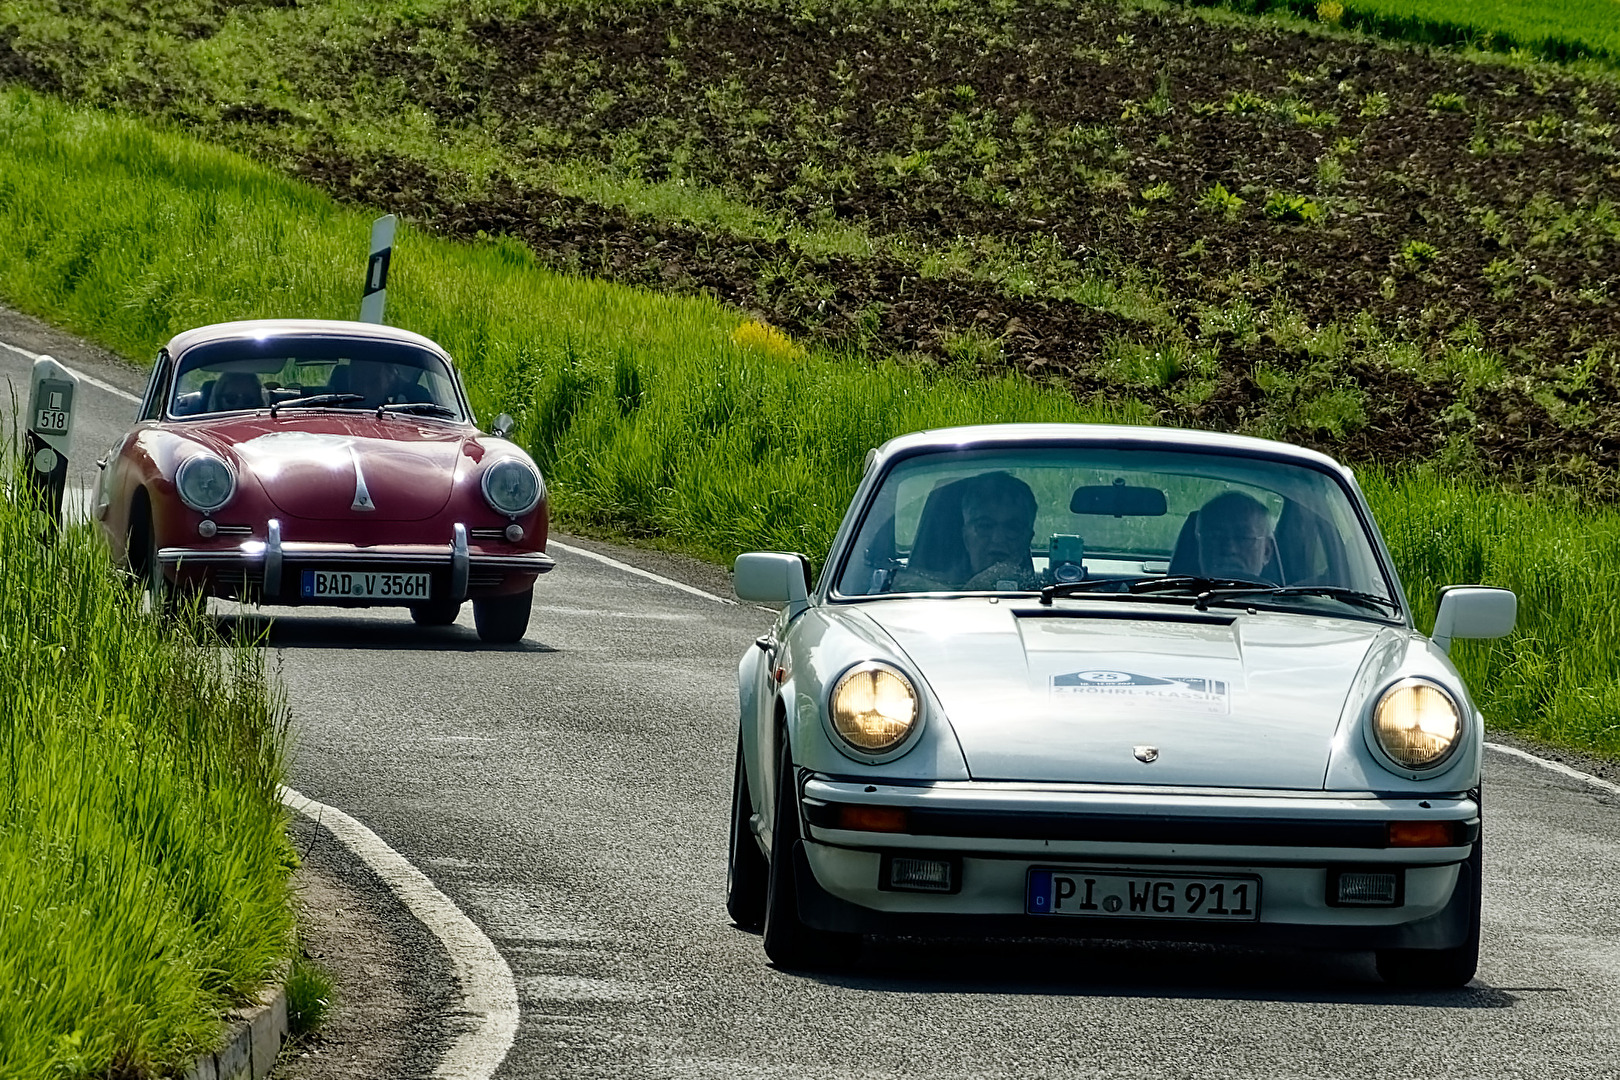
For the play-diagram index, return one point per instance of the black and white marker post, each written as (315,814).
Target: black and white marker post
(382,250)
(49,436)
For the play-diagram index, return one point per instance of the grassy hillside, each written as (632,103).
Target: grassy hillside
(677,417)
(1557,29)
(1392,255)
(143,866)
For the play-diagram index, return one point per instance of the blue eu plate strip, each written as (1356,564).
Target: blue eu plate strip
(1040,892)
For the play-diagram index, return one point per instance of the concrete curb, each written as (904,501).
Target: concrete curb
(254,1041)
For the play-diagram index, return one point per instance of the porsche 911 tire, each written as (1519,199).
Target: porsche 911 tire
(1440,969)
(502,620)
(437,613)
(746,869)
(789,942)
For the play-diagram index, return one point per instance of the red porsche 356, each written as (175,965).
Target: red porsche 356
(323,462)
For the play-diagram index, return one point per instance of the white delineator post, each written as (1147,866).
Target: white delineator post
(49,435)
(375,295)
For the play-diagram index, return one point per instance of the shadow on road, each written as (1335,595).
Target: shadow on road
(1127,969)
(326,631)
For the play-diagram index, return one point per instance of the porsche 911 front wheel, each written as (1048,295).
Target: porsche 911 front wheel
(502,620)
(1439,969)
(746,871)
(789,942)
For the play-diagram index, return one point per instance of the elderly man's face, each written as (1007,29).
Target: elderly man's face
(1238,546)
(996,530)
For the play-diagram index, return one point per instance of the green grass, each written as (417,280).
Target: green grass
(310,993)
(1554,29)
(650,420)
(143,861)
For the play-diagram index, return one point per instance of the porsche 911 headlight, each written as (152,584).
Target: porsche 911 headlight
(874,707)
(512,486)
(1417,724)
(205,483)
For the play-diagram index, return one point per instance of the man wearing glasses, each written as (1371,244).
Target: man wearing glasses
(1234,539)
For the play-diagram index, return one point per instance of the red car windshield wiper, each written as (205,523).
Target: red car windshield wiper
(314,400)
(431,408)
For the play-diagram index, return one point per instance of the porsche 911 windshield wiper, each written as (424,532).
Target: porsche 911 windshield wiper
(1090,585)
(1349,596)
(1127,587)
(432,408)
(314,400)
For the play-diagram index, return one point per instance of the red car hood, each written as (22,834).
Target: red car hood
(331,467)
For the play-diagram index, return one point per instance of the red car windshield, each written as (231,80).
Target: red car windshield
(240,376)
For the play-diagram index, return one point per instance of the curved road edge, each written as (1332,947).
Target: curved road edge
(488,991)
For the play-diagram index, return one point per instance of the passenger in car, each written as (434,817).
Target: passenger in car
(974,534)
(235,390)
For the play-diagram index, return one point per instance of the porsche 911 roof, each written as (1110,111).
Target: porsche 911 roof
(1119,435)
(262,329)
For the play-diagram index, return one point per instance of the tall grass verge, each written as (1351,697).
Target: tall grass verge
(143,862)
(662,417)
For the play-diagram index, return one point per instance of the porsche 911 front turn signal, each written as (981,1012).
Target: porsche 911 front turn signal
(1417,724)
(874,708)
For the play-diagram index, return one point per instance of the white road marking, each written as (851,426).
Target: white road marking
(1557,767)
(488,992)
(648,574)
(91,379)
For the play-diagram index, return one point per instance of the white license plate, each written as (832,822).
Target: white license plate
(1127,894)
(351,585)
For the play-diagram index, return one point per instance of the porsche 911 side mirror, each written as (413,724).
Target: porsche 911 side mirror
(503,426)
(1473,611)
(772,577)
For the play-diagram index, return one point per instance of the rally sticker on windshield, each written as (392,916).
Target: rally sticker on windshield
(1131,689)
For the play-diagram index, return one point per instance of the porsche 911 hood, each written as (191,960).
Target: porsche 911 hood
(382,470)
(1224,699)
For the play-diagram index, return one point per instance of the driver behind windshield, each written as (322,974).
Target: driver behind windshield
(1234,538)
(376,382)
(235,390)
(993,532)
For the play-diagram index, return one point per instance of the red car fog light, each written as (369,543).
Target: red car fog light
(1423,834)
(872,818)
(917,873)
(514,533)
(1365,888)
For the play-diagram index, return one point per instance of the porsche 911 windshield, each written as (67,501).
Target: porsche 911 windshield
(326,373)
(1098,522)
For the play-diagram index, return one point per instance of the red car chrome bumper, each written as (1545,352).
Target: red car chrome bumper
(267,563)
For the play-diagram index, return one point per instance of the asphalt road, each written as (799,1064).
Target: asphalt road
(570,794)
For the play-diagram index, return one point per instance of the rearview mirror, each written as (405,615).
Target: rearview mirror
(1117,500)
(1473,611)
(773,577)
(503,426)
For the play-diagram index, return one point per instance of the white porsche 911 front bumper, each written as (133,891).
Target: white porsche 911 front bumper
(1335,870)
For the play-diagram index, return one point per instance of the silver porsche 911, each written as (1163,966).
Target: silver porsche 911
(1108,682)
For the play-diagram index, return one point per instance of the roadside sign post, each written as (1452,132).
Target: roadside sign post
(382,251)
(48,439)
